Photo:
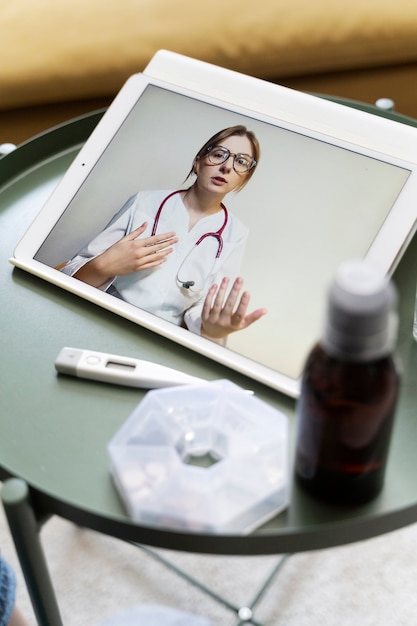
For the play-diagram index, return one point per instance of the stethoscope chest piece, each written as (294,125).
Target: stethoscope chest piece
(198,266)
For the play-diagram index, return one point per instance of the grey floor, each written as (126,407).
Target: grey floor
(97,577)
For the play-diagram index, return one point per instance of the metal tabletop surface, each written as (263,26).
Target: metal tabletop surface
(55,429)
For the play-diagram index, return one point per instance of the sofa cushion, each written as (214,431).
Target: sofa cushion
(58,50)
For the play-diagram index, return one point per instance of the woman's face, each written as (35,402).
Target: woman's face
(221,179)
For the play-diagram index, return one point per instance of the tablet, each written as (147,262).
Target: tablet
(330,183)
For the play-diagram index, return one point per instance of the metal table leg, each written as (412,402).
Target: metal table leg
(25,527)
(25,532)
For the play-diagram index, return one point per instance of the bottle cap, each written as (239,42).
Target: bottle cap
(361,321)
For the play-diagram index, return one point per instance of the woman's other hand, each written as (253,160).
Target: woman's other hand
(222,315)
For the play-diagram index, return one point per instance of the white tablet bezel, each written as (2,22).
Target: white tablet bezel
(316,118)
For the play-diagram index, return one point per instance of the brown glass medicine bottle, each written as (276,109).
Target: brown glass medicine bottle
(349,390)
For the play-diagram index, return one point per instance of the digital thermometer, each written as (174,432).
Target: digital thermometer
(119,370)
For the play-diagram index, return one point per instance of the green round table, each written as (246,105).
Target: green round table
(55,429)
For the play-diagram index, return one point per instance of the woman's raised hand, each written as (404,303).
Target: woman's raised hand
(223,315)
(130,254)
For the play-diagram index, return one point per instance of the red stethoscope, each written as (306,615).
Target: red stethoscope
(218,235)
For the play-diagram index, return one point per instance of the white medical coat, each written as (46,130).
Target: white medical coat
(158,290)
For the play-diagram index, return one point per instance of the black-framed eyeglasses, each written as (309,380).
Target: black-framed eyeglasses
(242,163)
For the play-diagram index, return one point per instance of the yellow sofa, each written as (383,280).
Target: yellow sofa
(61,58)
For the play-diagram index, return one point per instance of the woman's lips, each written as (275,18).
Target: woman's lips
(219,180)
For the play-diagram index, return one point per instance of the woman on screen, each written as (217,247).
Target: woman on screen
(178,253)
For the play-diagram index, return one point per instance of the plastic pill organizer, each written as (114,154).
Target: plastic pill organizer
(155,455)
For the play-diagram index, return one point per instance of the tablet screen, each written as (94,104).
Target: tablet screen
(312,202)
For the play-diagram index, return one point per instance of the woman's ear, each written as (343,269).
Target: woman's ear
(196,165)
